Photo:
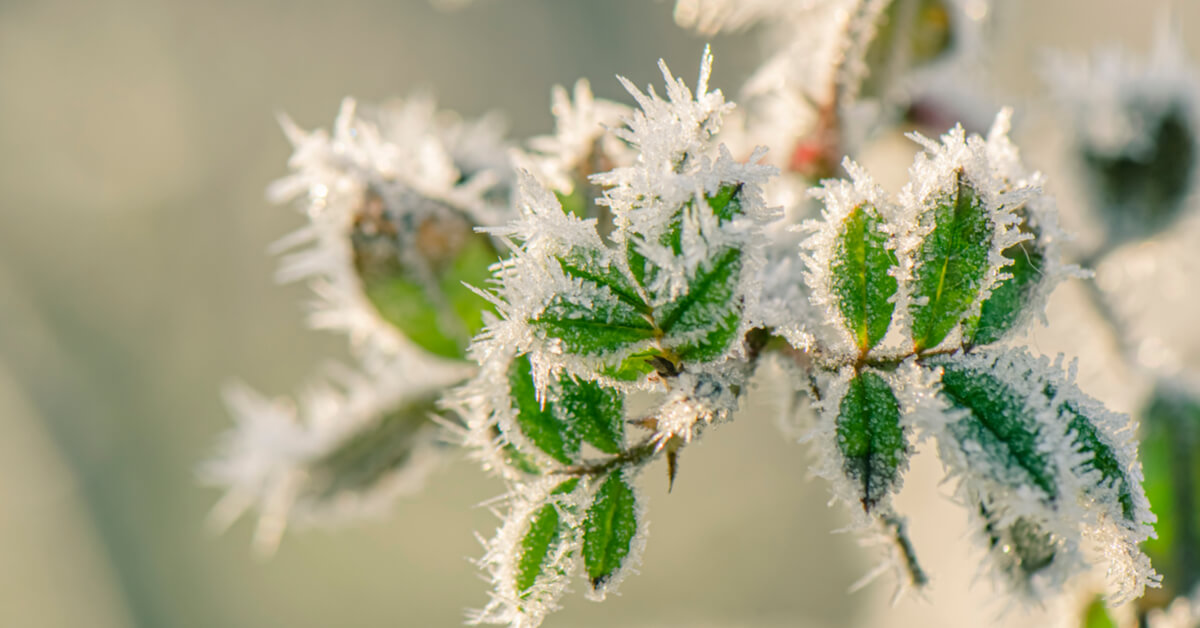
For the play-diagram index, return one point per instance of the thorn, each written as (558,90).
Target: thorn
(674,444)
(646,422)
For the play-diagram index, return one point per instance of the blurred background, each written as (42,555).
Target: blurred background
(136,138)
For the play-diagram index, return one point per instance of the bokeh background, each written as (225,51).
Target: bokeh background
(136,138)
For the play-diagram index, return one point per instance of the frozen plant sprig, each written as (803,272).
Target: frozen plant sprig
(657,288)
(918,292)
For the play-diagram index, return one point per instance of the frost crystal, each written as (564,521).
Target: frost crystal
(582,143)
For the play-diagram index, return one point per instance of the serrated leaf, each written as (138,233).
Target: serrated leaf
(593,326)
(870,438)
(593,411)
(370,455)
(705,318)
(1003,307)
(608,529)
(861,281)
(544,528)
(999,424)
(540,424)
(952,262)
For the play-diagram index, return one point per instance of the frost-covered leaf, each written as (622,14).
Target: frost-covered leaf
(862,279)
(594,412)
(870,438)
(1135,123)
(368,457)
(1049,466)
(533,553)
(609,528)
(539,422)
(952,262)
(544,528)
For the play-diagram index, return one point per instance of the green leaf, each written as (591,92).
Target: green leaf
(701,323)
(541,425)
(951,264)
(999,423)
(536,546)
(1003,307)
(870,438)
(608,529)
(598,327)
(594,412)
(861,279)
(370,455)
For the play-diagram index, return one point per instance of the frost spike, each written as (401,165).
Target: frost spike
(870,438)
(952,263)
(861,276)
(609,529)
